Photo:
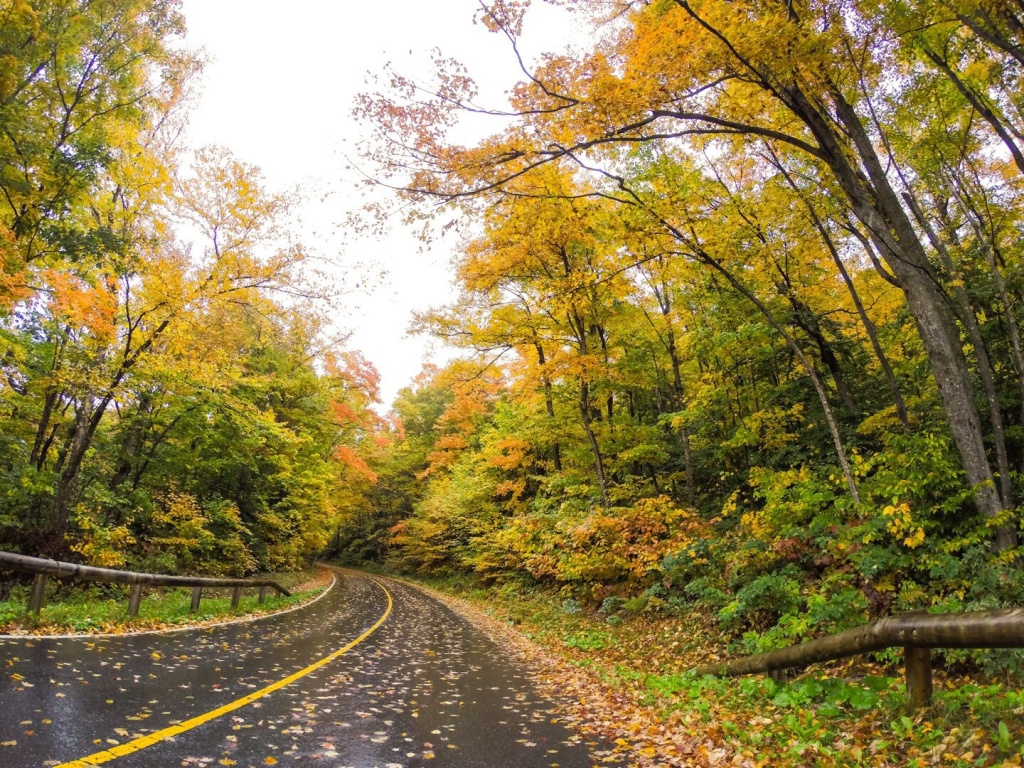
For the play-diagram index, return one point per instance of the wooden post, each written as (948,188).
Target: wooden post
(263,593)
(38,593)
(235,594)
(918,662)
(779,676)
(197,595)
(134,598)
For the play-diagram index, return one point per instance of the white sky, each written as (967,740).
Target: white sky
(278,92)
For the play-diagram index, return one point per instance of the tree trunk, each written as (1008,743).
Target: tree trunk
(970,321)
(869,326)
(132,445)
(877,206)
(808,322)
(592,439)
(549,401)
(979,104)
(87,418)
(680,396)
(819,388)
(974,218)
(580,329)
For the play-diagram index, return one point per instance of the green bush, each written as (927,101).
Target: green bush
(764,600)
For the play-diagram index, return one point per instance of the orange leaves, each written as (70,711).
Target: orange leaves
(473,394)
(13,285)
(356,372)
(446,452)
(594,545)
(452,442)
(85,307)
(352,460)
(344,414)
(509,453)
(514,489)
(355,388)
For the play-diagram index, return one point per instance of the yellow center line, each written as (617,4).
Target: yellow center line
(147,741)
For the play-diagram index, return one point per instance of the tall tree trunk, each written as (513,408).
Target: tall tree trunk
(661,294)
(866,322)
(970,321)
(878,207)
(680,398)
(88,415)
(580,329)
(592,439)
(549,400)
(972,215)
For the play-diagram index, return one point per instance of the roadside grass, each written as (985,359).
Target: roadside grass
(77,607)
(850,713)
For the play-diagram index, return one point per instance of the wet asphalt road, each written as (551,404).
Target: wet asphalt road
(425,689)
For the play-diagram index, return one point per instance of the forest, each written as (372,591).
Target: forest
(735,361)
(172,397)
(739,324)
(740,297)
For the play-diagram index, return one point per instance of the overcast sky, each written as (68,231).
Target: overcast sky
(278,91)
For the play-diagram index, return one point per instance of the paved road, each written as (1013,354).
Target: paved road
(423,688)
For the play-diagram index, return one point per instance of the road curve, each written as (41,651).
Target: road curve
(374,675)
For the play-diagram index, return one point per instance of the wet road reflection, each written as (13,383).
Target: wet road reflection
(425,689)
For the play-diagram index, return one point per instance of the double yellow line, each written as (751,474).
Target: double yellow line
(147,741)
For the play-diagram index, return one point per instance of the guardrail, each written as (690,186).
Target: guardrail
(916,632)
(43,569)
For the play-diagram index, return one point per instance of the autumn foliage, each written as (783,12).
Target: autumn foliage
(747,278)
(171,397)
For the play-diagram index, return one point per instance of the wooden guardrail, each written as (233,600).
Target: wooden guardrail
(43,569)
(916,632)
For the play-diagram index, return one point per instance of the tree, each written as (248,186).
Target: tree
(804,78)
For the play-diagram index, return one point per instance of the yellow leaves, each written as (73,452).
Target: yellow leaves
(914,539)
(732,504)
(622,543)
(756,524)
(100,545)
(899,517)
(900,525)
